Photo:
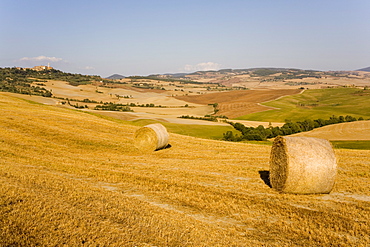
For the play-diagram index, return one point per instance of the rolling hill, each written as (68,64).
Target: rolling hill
(353,131)
(69,177)
(115,77)
(165,98)
(238,103)
(367,69)
(315,104)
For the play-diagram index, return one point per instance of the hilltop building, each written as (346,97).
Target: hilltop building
(37,68)
(42,67)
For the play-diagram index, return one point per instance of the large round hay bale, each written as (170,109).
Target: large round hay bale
(302,165)
(151,137)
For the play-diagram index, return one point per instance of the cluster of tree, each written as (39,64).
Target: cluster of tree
(17,81)
(77,100)
(109,106)
(300,83)
(287,75)
(77,106)
(128,104)
(215,106)
(124,96)
(113,107)
(51,74)
(144,105)
(198,83)
(91,101)
(261,133)
(221,116)
(23,88)
(147,86)
(206,117)
(264,72)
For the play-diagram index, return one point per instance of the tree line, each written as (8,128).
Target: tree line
(14,80)
(206,117)
(113,107)
(261,133)
(19,80)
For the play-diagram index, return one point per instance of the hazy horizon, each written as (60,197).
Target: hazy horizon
(156,37)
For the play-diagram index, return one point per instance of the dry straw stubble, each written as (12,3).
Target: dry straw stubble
(302,165)
(151,137)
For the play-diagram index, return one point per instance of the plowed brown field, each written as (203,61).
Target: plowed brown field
(239,103)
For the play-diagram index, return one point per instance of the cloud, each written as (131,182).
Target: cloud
(40,59)
(89,68)
(202,66)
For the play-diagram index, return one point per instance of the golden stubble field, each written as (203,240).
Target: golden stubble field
(71,178)
(359,130)
(171,110)
(231,103)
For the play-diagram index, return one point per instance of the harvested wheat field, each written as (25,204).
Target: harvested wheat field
(239,103)
(71,178)
(359,130)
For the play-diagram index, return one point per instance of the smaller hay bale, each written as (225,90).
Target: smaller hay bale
(302,165)
(151,137)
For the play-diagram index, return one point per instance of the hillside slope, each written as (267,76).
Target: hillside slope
(315,104)
(116,77)
(359,130)
(71,178)
(238,103)
(367,69)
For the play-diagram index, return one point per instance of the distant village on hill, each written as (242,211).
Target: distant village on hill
(38,68)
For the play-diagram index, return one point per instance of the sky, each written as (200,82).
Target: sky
(143,37)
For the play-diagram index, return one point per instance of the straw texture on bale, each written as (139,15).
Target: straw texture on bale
(302,165)
(151,137)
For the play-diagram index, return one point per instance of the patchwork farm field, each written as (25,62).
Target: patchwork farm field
(72,178)
(238,103)
(315,104)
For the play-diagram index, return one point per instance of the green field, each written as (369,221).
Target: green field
(315,104)
(200,131)
(213,132)
(362,145)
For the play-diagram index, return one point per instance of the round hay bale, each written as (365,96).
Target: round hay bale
(151,137)
(302,165)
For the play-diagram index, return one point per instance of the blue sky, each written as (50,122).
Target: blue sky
(142,37)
